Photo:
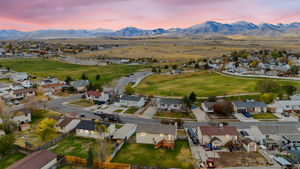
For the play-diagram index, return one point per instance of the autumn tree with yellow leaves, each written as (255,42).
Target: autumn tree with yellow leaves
(185,157)
(46,129)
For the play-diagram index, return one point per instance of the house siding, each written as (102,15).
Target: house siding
(71,125)
(19,119)
(95,135)
(148,139)
(257,134)
(50,164)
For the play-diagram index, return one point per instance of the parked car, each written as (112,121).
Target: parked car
(98,112)
(131,74)
(195,141)
(101,102)
(248,115)
(104,106)
(127,75)
(16,102)
(83,96)
(113,118)
(82,115)
(244,133)
(191,133)
(286,114)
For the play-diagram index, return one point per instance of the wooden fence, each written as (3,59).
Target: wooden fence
(98,164)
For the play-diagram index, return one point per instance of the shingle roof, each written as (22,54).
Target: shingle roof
(51,85)
(156,128)
(66,121)
(131,98)
(250,104)
(170,101)
(215,130)
(278,130)
(94,93)
(293,137)
(80,83)
(247,141)
(24,111)
(209,104)
(23,91)
(89,125)
(35,160)
(16,84)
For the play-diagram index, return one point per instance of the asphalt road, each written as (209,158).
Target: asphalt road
(125,80)
(57,104)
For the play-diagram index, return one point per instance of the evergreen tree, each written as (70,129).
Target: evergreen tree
(193,97)
(166,67)
(90,159)
(159,71)
(98,77)
(83,76)
(154,70)
(174,67)
(206,66)
(204,60)
(196,66)
(187,101)
(68,80)
(236,64)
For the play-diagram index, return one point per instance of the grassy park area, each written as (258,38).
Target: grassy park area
(146,154)
(264,116)
(11,159)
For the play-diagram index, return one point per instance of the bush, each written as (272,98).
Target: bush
(225,123)
(1,126)
(95,101)
(62,90)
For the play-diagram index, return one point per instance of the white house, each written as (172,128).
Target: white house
(169,104)
(86,128)
(19,76)
(95,95)
(65,124)
(26,83)
(295,97)
(20,116)
(286,106)
(132,101)
(16,86)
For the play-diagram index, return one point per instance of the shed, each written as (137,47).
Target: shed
(24,127)
(249,145)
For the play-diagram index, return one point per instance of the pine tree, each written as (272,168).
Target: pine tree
(90,159)
(98,77)
(192,97)
(166,67)
(197,66)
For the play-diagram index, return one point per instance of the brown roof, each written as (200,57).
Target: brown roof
(247,141)
(94,93)
(16,84)
(215,130)
(24,111)
(56,118)
(37,159)
(24,125)
(24,90)
(66,121)
(51,85)
(156,129)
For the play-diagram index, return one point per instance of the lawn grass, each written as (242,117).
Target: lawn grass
(118,111)
(11,159)
(82,102)
(180,132)
(264,116)
(44,114)
(171,115)
(6,81)
(50,67)
(130,111)
(197,104)
(146,154)
(202,83)
(118,126)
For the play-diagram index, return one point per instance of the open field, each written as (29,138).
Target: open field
(146,154)
(264,116)
(11,159)
(49,67)
(202,83)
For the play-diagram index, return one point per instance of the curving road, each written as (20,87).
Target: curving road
(57,104)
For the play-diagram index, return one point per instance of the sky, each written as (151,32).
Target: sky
(27,15)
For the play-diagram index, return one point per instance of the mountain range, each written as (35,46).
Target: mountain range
(208,28)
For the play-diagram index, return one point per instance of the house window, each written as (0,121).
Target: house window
(30,92)
(175,105)
(267,136)
(86,131)
(61,127)
(216,142)
(19,95)
(227,136)
(142,134)
(287,107)
(26,120)
(26,115)
(161,135)
(163,105)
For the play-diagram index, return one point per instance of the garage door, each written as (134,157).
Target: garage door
(241,110)
(48,93)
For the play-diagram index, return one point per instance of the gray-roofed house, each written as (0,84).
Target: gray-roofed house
(86,128)
(240,107)
(80,85)
(19,76)
(208,106)
(132,101)
(270,136)
(286,106)
(16,86)
(153,133)
(169,104)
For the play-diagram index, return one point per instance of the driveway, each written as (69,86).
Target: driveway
(200,114)
(243,118)
(149,112)
(283,118)
(123,131)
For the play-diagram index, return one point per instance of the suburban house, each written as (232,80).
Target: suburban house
(295,97)
(270,136)
(86,128)
(6,74)
(43,159)
(16,86)
(26,83)
(216,135)
(132,101)
(80,85)
(208,106)
(154,133)
(22,93)
(49,80)
(177,71)
(65,124)
(240,107)
(19,76)
(285,106)
(290,142)
(20,116)
(95,95)
(50,89)
(169,105)
(249,145)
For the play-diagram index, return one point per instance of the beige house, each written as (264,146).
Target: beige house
(50,89)
(20,116)
(249,145)
(22,93)
(65,124)
(217,135)
(88,129)
(240,107)
(154,133)
(80,85)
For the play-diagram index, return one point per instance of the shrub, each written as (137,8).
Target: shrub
(225,123)
(95,101)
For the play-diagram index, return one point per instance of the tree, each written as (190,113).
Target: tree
(268,97)
(8,68)
(7,145)
(180,122)
(280,95)
(228,108)
(159,71)
(46,129)
(218,108)
(294,70)
(206,66)
(275,55)
(236,64)
(187,101)
(84,77)
(205,60)
(212,99)
(113,85)
(90,159)
(166,67)
(196,66)
(154,70)
(71,89)
(34,86)
(98,77)
(174,67)
(245,55)
(267,86)
(129,90)
(289,89)
(254,63)
(68,80)
(73,113)
(5,115)
(47,48)
(102,150)
(185,157)
(193,97)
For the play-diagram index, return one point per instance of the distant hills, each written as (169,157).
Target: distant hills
(209,28)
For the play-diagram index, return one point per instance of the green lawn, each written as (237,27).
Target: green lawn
(180,132)
(146,154)
(202,83)
(44,114)
(6,81)
(264,116)
(174,115)
(11,159)
(82,102)
(130,111)
(50,67)
(197,104)
(118,111)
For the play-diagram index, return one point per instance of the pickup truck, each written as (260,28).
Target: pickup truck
(248,115)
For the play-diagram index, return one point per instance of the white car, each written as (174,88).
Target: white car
(16,102)
(104,106)
(98,112)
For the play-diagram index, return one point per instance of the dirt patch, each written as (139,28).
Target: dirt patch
(239,159)
(215,116)
(69,149)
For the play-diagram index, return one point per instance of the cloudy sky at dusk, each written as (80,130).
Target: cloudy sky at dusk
(28,15)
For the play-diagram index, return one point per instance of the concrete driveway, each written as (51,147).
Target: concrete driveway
(243,118)
(283,118)
(200,114)
(150,111)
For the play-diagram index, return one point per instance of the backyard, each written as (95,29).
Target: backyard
(11,159)
(145,154)
(264,116)
(82,102)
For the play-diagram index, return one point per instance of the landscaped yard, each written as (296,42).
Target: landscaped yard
(175,115)
(146,154)
(11,159)
(202,83)
(264,116)
(180,132)
(75,146)
(118,111)
(82,102)
(130,111)
(44,114)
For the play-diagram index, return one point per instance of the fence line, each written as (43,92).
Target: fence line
(118,147)
(23,149)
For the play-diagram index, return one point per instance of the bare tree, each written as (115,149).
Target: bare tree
(45,104)
(102,151)
(5,115)
(114,88)
(31,102)
(185,108)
